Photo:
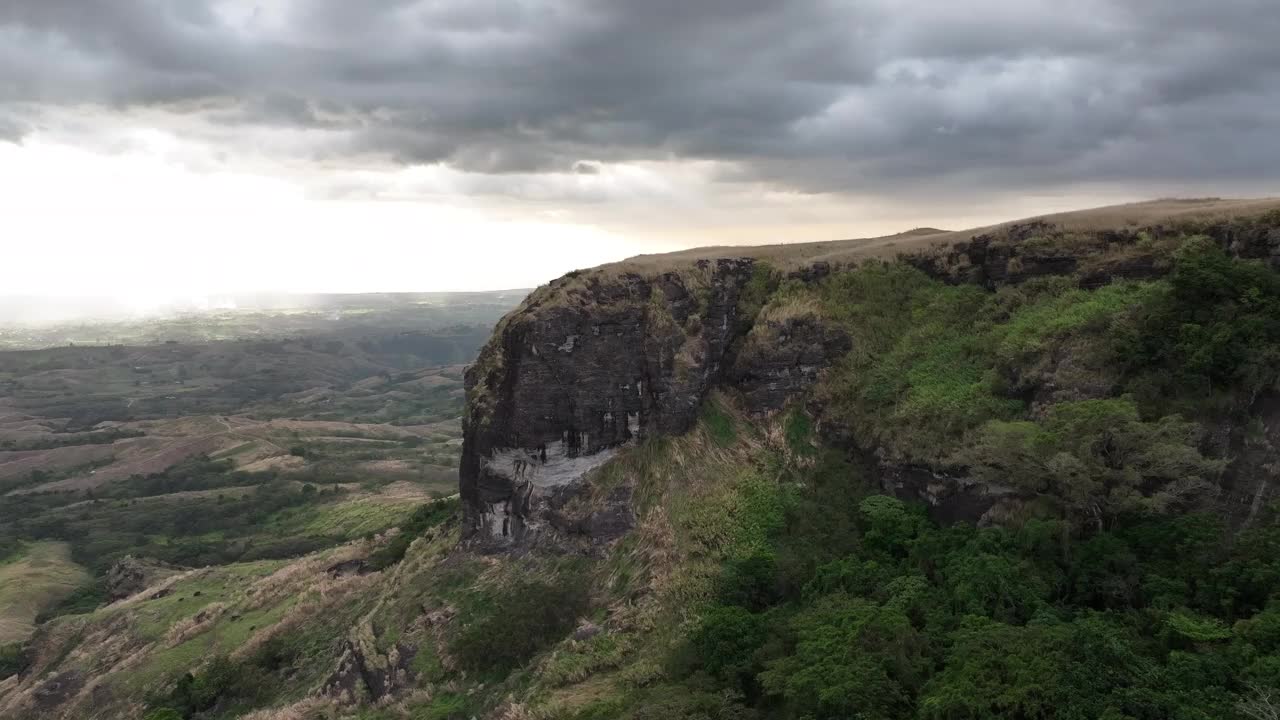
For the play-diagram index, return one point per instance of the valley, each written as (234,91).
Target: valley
(325,426)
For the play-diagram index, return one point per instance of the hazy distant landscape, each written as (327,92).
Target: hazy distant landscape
(194,438)
(33,323)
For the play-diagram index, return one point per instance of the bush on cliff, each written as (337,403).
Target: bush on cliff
(508,623)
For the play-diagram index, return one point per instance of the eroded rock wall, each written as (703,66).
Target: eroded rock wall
(588,363)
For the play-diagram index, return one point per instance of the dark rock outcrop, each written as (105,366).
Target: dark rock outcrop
(1022,251)
(348,568)
(365,673)
(783,357)
(131,575)
(1252,479)
(58,689)
(588,363)
(950,498)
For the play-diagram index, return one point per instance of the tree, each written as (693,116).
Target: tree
(1095,459)
(1263,703)
(727,639)
(852,658)
(994,586)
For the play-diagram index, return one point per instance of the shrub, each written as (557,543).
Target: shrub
(82,600)
(13,660)
(852,659)
(750,582)
(726,640)
(507,625)
(222,681)
(1095,458)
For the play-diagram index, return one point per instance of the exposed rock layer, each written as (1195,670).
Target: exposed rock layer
(586,364)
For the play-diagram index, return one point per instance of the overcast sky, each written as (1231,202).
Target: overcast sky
(156,148)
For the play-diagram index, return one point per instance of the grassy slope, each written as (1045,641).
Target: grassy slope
(790,256)
(294,613)
(39,576)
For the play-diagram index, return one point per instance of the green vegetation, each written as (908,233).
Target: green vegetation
(718,424)
(506,625)
(1210,335)
(446,707)
(13,659)
(40,576)
(956,376)
(900,618)
(917,379)
(100,437)
(222,683)
(1103,593)
(756,293)
(84,599)
(427,516)
(238,516)
(1095,458)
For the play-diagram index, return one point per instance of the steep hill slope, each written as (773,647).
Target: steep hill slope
(1023,473)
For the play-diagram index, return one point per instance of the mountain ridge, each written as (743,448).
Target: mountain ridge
(603,357)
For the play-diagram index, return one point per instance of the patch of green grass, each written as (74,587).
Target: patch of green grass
(1059,309)
(798,430)
(423,518)
(738,519)
(224,636)
(581,660)
(37,577)
(153,618)
(167,663)
(13,659)
(350,518)
(719,424)
(446,706)
(83,600)
(427,665)
(756,293)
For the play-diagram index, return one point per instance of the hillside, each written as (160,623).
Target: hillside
(1023,471)
(192,454)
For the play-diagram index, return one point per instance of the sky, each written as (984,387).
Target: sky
(154,149)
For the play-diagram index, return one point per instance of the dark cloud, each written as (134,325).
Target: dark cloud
(814,95)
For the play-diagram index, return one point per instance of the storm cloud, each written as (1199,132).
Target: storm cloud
(852,96)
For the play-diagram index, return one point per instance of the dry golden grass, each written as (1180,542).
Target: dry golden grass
(307,709)
(792,308)
(791,256)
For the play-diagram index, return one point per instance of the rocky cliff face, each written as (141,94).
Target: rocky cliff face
(587,363)
(601,358)
(596,360)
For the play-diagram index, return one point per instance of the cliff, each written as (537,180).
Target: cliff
(601,358)
(588,363)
